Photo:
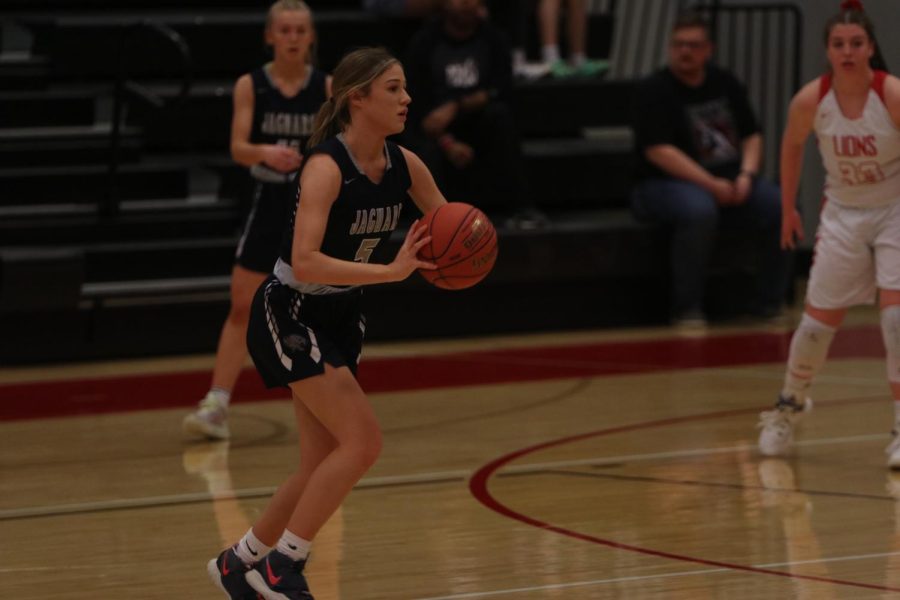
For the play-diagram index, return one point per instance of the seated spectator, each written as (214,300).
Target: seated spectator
(699,154)
(460,77)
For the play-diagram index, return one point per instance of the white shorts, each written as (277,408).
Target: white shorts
(857,251)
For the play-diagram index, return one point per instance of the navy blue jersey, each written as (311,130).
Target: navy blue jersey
(282,120)
(364,214)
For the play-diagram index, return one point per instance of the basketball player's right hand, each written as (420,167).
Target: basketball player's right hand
(791,229)
(282,158)
(407,259)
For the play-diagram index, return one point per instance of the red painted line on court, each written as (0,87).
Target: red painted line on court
(389,374)
(478,486)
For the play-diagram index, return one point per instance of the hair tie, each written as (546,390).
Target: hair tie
(852,5)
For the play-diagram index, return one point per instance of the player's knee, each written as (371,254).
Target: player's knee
(366,449)
(240,310)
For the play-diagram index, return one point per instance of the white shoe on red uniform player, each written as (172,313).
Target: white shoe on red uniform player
(777,425)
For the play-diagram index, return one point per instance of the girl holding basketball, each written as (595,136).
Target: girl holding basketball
(274,110)
(854,111)
(306,327)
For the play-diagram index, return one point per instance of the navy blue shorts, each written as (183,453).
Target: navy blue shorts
(291,335)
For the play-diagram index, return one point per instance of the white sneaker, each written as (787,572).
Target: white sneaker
(209,420)
(532,71)
(777,426)
(893,452)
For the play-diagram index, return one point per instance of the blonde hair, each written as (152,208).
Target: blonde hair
(298,5)
(355,73)
(280,5)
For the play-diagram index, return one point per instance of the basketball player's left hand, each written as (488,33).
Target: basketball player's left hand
(407,259)
(791,225)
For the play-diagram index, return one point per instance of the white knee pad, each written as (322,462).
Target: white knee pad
(812,338)
(890,330)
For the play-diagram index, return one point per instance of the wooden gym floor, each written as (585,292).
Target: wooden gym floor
(601,464)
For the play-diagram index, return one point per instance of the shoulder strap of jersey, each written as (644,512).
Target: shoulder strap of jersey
(878,83)
(824,85)
(260,80)
(398,161)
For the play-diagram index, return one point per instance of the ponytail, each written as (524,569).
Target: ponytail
(330,121)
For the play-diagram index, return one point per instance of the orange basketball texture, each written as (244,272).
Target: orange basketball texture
(463,245)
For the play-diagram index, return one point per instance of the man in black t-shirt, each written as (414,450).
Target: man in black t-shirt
(699,149)
(459,71)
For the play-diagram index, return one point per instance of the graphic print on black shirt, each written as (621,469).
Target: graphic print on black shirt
(714,131)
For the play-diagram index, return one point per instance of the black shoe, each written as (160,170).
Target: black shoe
(228,572)
(277,577)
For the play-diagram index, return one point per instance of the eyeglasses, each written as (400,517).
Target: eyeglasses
(689,44)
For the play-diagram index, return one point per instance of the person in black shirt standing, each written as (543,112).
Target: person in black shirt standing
(699,154)
(460,73)
(306,325)
(274,110)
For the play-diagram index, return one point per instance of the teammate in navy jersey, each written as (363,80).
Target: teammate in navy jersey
(306,326)
(854,111)
(274,110)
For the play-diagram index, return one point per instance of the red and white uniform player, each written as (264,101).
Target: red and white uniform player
(854,112)
(862,200)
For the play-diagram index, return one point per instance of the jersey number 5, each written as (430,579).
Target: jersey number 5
(366,247)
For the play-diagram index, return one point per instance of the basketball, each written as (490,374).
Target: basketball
(463,246)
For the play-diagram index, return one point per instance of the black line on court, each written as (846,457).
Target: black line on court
(691,482)
(188,501)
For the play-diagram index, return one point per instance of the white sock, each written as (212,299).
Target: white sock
(550,53)
(577,59)
(293,546)
(221,395)
(250,549)
(809,348)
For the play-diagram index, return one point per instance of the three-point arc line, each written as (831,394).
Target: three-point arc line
(478,485)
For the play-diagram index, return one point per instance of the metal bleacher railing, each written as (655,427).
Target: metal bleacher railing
(110,204)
